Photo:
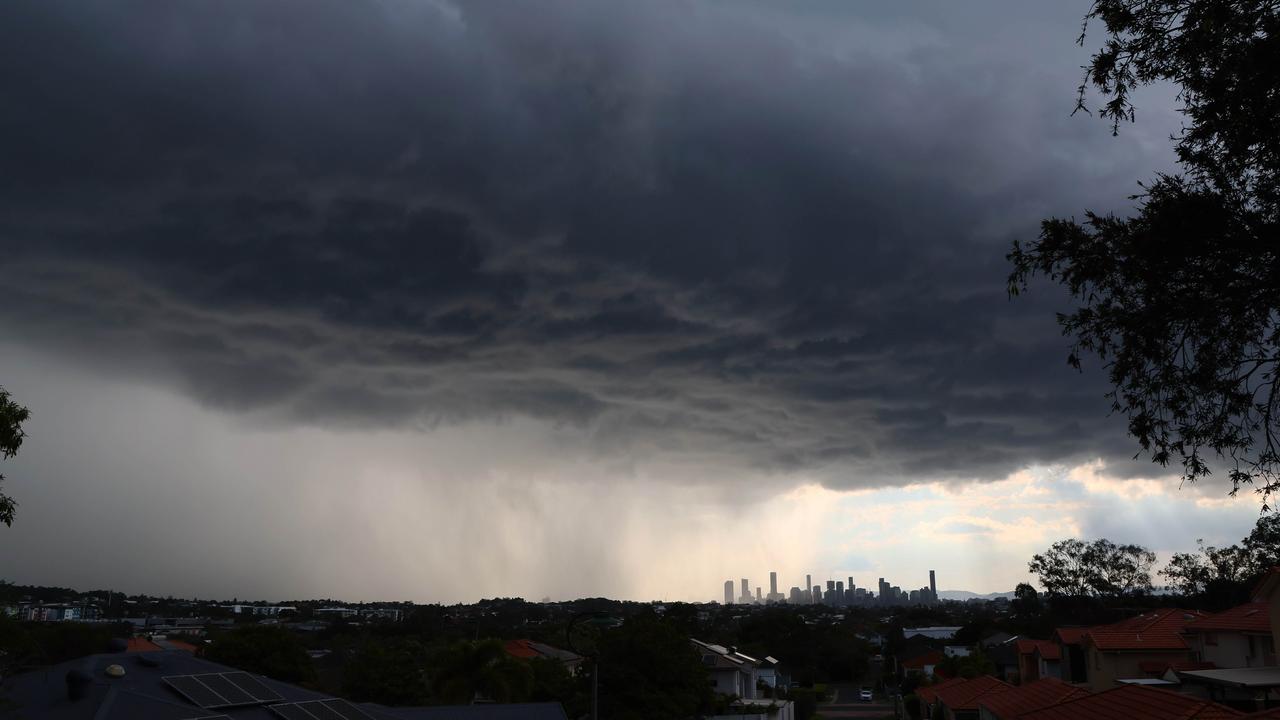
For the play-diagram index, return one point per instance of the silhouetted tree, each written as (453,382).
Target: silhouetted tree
(1026,601)
(264,649)
(12,415)
(387,671)
(1227,573)
(466,670)
(649,670)
(1099,568)
(1181,301)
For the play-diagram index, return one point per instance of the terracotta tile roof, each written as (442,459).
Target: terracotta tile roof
(1250,617)
(1070,635)
(933,657)
(1048,650)
(521,649)
(1042,693)
(964,695)
(1272,714)
(141,645)
(1134,702)
(929,693)
(1158,630)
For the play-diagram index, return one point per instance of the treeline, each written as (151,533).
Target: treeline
(1083,582)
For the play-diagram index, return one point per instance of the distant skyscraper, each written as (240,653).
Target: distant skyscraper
(728,592)
(933,587)
(746,591)
(773,583)
(758,597)
(808,587)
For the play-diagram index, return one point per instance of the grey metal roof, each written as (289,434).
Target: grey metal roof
(1254,677)
(140,693)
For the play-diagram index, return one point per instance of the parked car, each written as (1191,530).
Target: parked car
(865,694)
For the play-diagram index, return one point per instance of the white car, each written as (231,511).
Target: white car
(865,694)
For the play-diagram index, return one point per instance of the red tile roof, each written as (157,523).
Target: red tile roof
(1048,650)
(964,695)
(1272,714)
(933,657)
(521,649)
(141,645)
(1134,702)
(1250,617)
(1158,630)
(1042,693)
(929,693)
(1070,635)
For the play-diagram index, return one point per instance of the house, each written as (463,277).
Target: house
(1244,688)
(928,695)
(1239,637)
(1005,658)
(996,638)
(769,674)
(1037,659)
(1074,668)
(132,686)
(1016,702)
(529,649)
(960,700)
(1133,702)
(923,664)
(1118,651)
(732,673)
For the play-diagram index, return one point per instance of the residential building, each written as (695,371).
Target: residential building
(1075,667)
(732,673)
(1016,702)
(1038,659)
(960,701)
(1118,651)
(928,696)
(1237,638)
(1133,702)
(923,664)
(529,649)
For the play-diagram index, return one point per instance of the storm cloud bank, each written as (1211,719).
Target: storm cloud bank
(715,235)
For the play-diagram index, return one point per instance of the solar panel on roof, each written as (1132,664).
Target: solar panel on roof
(291,712)
(333,709)
(195,691)
(253,686)
(227,689)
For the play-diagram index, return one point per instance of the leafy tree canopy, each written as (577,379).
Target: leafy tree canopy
(12,415)
(1181,300)
(1101,568)
(264,649)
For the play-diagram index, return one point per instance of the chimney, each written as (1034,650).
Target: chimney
(77,685)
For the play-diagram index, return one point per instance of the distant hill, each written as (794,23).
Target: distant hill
(963,595)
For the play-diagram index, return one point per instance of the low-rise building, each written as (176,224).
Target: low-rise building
(1237,638)
(1016,702)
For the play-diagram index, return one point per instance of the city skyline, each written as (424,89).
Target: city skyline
(835,592)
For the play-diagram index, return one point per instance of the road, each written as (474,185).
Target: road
(845,704)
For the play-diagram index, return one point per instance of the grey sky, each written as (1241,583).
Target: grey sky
(732,246)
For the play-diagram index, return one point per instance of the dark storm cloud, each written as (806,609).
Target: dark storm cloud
(700,230)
